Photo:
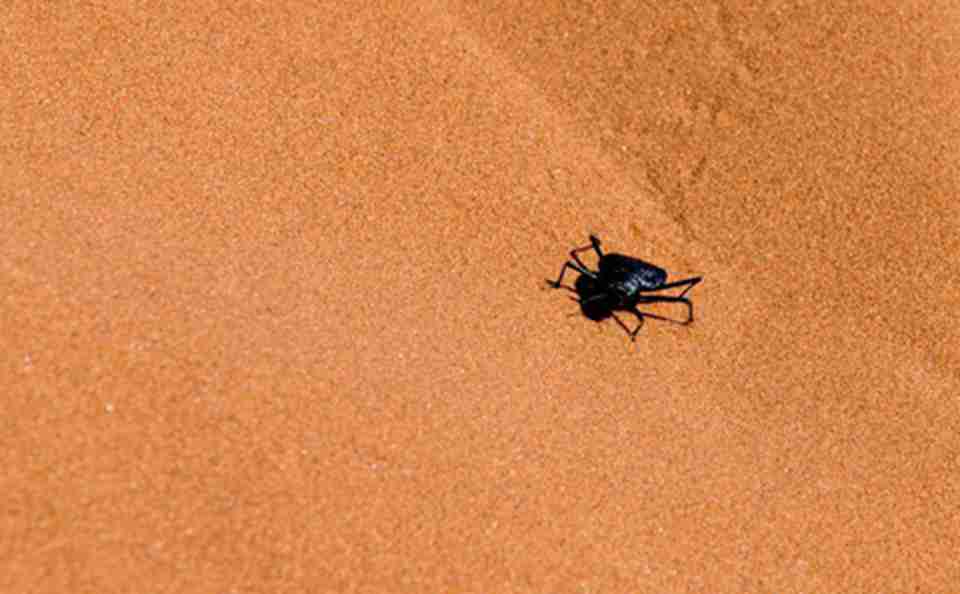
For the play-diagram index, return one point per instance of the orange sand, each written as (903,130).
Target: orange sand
(274,317)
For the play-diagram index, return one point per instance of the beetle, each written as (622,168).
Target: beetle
(620,283)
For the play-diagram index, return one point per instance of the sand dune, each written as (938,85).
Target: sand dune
(275,318)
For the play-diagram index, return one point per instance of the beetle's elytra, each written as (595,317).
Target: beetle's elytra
(620,283)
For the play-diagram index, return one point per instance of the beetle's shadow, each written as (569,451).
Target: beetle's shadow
(597,304)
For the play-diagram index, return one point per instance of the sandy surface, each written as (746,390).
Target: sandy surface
(273,314)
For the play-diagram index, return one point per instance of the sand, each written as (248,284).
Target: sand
(274,316)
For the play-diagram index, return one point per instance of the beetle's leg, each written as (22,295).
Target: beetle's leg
(689,283)
(578,266)
(644,314)
(595,244)
(641,316)
(592,246)
(631,333)
(667,299)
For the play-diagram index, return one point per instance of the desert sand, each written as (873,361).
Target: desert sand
(274,314)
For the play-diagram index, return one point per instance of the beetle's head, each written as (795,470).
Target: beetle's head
(597,302)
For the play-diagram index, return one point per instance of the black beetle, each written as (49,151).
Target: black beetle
(620,284)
